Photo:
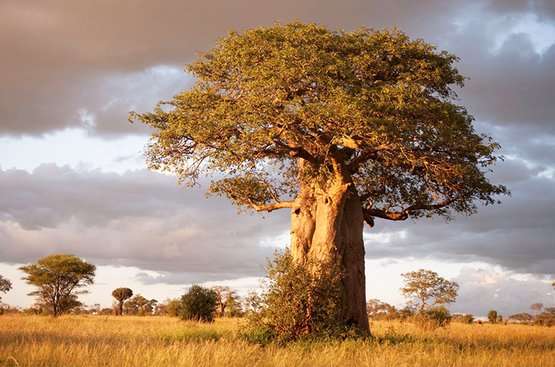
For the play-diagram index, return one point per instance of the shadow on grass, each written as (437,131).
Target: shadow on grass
(188,335)
(395,338)
(57,338)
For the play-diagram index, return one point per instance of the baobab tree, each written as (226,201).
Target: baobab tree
(121,295)
(339,127)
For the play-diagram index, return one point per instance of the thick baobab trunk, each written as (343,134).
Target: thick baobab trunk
(327,227)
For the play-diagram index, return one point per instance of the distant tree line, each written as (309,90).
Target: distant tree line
(60,278)
(432,292)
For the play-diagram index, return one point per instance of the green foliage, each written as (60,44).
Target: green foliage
(121,294)
(5,285)
(519,317)
(139,305)
(433,318)
(463,318)
(547,317)
(299,302)
(379,310)
(233,305)
(58,279)
(492,316)
(170,307)
(425,285)
(7,309)
(198,304)
(225,298)
(253,302)
(107,312)
(375,102)
(467,318)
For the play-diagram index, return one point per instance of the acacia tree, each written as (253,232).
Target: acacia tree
(339,127)
(139,305)
(429,288)
(5,285)
(378,310)
(121,294)
(58,279)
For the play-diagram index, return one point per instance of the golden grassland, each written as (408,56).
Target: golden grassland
(164,341)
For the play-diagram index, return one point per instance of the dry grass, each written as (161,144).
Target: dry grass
(161,341)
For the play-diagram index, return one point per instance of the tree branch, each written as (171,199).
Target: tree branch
(297,152)
(384,214)
(439,205)
(404,214)
(271,207)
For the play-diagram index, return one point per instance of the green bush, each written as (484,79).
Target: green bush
(493,316)
(198,304)
(433,318)
(173,307)
(467,319)
(299,302)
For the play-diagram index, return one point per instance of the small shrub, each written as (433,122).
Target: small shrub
(493,316)
(467,319)
(433,318)
(463,318)
(521,318)
(172,307)
(198,304)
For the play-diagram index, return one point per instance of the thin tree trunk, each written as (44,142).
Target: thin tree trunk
(327,226)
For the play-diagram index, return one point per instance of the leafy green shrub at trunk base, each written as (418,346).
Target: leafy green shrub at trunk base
(301,301)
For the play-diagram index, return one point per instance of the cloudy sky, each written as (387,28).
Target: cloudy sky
(72,176)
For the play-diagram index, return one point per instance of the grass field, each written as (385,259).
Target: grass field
(164,341)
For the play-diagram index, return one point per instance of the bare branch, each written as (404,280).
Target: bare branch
(271,207)
(404,214)
(439,205)
(385,214)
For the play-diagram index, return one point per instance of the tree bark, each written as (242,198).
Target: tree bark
(326,226)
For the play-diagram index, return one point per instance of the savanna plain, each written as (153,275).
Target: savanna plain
(91,340)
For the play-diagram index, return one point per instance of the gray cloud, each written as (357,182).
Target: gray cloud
(518,234)
(513,86)
(61,58)
(143,219)
(138,219)
(498,291)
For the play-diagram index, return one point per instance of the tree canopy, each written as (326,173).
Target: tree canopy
(121,294)
(278,106)
(5,285)
(139,305)
(429,288)
(199,304)
(58,279)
